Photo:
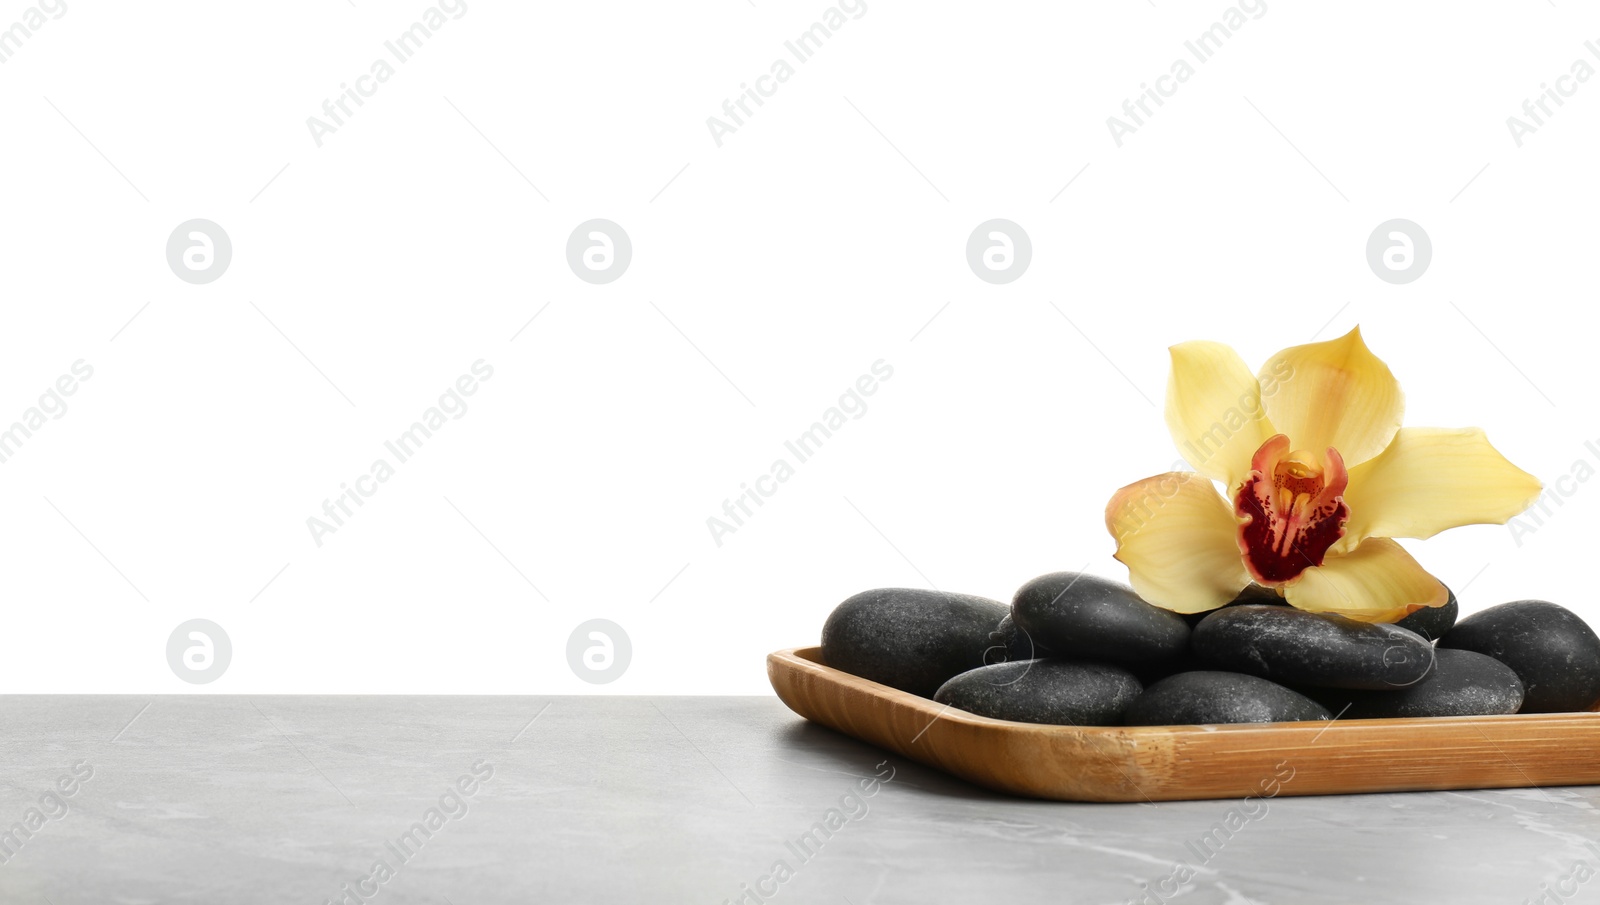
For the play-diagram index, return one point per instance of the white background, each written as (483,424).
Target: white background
(794,256)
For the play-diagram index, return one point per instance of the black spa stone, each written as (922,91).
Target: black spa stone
(1551,649)
(1256,593)
(1462,683)
(1012,643)
(1060,692)
(1300,648)
(1208,696)
(1078,615)
(909,638)
(1153,672)
(1433,621)
(1252,593)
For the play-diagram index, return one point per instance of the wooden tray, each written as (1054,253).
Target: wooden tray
(1167,763)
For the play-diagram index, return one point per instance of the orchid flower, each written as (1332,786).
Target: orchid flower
(1318,477)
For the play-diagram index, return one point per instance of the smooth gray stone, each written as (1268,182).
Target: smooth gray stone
(1208,696)
(1462,683)
(610,800)
(1295,647)
(1433,621)
(1551,649)
(912,639)
(1075,614)
(1059,692)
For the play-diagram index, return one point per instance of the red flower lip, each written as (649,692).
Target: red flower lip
(1290,511)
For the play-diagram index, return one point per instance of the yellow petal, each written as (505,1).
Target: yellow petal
(1431,479)
(1334,393)
(1214,410)
(1178,538)
(1376,582)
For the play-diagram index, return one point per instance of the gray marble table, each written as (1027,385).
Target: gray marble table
(461,801)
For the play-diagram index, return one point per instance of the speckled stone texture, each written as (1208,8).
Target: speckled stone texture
(1209,696)
(1462,683)
(1296,647)
(1550,648)
(1252,594)
(912,639)
(1432,622)
(1080,615)
(1014,644)
(1044,691)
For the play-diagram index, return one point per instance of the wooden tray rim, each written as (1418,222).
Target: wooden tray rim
(1193,762)
(809,659)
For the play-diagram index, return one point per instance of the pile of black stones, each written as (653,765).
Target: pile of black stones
(1076,649)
